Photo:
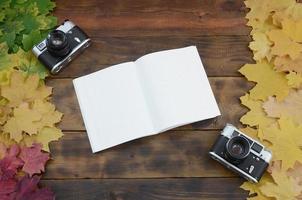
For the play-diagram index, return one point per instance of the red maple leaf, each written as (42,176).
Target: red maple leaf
(34,159)
(10,163)
(28,189)
(7,188)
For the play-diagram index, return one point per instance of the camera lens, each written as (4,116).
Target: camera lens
(57,43)
(237,148)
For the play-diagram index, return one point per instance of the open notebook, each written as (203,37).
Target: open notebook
(157,92)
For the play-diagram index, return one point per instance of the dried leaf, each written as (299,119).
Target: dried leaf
(45,136)
(283,45)
(293,29)
(269,82)
(255,188)
(261,46)
(285,187)
(256,116)
(285,140)
(49,116)
(34,159)
(294,79)
(290,107)
(27,189)
(23,120)
(22,89)
(10,163)
(285,63)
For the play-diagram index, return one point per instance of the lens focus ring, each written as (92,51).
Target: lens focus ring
(237,148)
(57,43)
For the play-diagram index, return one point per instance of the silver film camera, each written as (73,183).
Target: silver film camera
(241,154)
(61,46)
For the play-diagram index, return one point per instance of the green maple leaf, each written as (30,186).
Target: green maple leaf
(21,21)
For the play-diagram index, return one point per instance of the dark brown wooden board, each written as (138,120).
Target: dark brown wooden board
(156,17)
(169,154)
(171,165)
(227,91)
(221,55)
(148,189)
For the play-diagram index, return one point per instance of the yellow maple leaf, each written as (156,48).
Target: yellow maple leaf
(256,116)
(294,79)
(255,134)
(293,29)
(261,46)
(5,139)
(260,14)
(24,89)
(45,136)
(285,140)
(294,11)
(290,107)
(269,82)
(255,188)
(49,115)
(284,188)
(283,45)
(262,10)
(23,120)
(5,111)
(285,63)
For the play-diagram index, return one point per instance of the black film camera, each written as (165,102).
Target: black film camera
(241,154)
(61,46)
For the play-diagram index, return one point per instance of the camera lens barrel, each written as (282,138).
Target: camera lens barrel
(237,149)
(57,43)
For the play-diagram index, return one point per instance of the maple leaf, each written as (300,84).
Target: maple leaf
(255,188)
(5,139)
(34,159)
(292,28)
(269,82)
(285,187)
(285,140)
(27,189)
(261,11)
(256,116)
(5,111)
(285,63)
(22,89)
(296,172)
(283,45)
(3,150)
(261,46)
(294,79)
(22,17)
(7,187)
(10,163)
(24,61)
(290,107)
(49,115)
(44,137)
(23,120)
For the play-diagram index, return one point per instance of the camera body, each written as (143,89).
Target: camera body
(241,154)
(61,46)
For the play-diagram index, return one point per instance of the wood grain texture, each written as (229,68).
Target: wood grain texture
(148,189)
(226,90)
(221,55)
(156,17)
(170,154)
(172,165)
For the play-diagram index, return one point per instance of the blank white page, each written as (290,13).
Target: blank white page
(176,88)
(113,106)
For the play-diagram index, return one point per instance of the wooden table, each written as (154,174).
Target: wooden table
(168,166)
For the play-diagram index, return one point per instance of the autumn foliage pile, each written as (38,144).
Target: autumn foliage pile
(27,118)
(275,102)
